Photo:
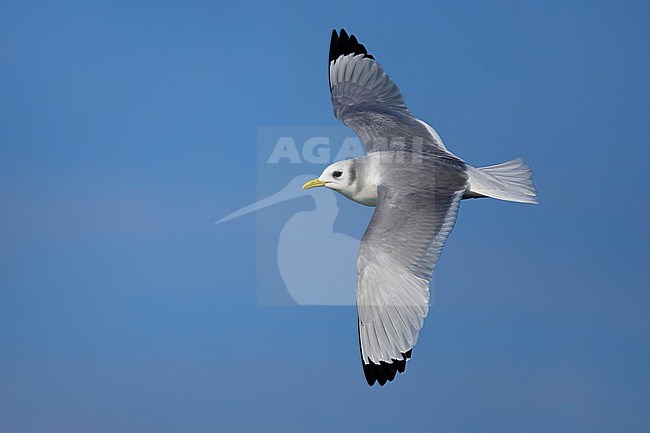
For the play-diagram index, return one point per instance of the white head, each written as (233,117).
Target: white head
(348,178)
(339,176)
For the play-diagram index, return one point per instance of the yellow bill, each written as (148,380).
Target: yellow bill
(313,184)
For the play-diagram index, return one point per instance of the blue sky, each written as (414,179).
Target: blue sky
(127,129)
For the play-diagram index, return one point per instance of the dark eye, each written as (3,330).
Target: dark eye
(336,174)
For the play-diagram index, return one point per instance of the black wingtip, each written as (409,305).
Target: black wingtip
(343,44)
(385,371)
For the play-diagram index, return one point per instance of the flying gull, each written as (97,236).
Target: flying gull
(416,186)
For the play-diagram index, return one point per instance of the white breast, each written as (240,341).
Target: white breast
(367,196)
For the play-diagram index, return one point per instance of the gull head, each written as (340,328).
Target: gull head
(348,177)
(339,176)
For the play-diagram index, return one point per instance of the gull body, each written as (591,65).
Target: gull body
(362,187)
(416,185)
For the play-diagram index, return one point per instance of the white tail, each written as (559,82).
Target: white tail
(510,181)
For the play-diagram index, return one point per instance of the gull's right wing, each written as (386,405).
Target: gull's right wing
(370,103)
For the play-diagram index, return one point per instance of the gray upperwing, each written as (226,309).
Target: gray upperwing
(370,103)
(416,210)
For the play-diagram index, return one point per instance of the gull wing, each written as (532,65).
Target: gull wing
(416,210)
(366,100)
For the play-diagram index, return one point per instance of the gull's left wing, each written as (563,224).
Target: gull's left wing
(416,210)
